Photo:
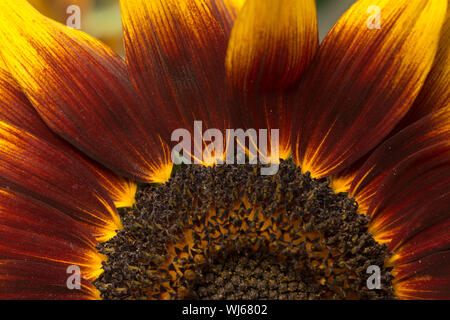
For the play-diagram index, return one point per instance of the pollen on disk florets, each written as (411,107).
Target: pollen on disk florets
(226,232)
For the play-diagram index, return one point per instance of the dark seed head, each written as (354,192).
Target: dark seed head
(226,232)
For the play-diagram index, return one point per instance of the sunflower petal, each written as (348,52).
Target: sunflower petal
(424,219)
(342,181)
(22,280)
(427,278)
(363,81)
(17,110)
(435,93)
(271,44)
(413,196)
(432,129)
(81,90)
(33,231)
(32,166)
(175,52)
(433,239)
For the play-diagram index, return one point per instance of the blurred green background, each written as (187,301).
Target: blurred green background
(328,12)
(101,18)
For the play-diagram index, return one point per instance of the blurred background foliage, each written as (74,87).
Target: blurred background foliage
(101,18)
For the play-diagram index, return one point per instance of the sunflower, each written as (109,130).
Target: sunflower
(359,206)
(90,12)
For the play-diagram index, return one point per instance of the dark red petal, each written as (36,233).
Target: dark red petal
(427,278)
(17,110)
(363,81)
(413,196)
(40,281)
(81,90)
(433,239)
(175,52)
(342,181)
(429,217)
(32,166)
(435,93)
(33,231)
(430,130)
(271,45)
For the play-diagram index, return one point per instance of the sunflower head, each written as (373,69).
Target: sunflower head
(228,232)
(358,129)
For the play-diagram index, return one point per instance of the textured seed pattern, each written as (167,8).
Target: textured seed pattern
(251,275)
(226,232)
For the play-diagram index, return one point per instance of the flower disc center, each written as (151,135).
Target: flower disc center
(227,232)
(250,275)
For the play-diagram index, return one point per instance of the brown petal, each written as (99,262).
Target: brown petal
(427,278)
(430,130)
(435,93)
(175,52)
(271,45)
(17,110)
(81,90)
(363,81)
(33,231)
(22,280)
(32,166)
(413,196)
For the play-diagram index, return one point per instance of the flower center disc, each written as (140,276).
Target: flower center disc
(227,232)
